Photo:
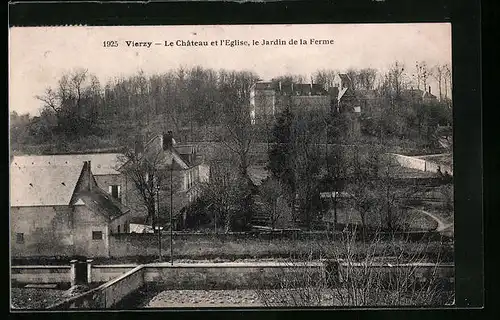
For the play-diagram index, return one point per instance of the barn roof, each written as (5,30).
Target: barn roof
(100,201)
(46,185)
(102,163)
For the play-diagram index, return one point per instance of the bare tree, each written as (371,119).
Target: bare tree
(437,73)
(394,79)
(361,274)
(238,135)
(325,78)
(422,74)
(149,172)
(76,101)
(447,80)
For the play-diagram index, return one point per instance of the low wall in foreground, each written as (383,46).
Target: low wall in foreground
(105,273)
(41,274)
(211,276)
(106,295)
(230,276)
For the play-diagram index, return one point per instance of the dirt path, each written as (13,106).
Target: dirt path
(442,226)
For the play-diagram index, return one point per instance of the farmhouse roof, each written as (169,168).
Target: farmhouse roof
(100,201)
(102,163)
(175,153)
(38,185)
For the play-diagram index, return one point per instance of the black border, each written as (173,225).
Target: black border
(465,18)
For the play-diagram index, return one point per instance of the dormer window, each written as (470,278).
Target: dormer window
(115,191)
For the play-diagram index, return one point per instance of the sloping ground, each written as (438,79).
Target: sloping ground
(445,159)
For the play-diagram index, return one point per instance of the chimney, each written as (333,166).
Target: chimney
(139,144)
(167,140)
(89,172)
(280,85)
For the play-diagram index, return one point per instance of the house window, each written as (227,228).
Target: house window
(20,238)
(115,191)
(125,227)
(96,235)
(118,229)
(196,175)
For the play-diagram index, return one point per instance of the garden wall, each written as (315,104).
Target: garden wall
(105,273)
(106,295)
(409,162)
(41,274)
(210,276)
(421,164)
(239,245)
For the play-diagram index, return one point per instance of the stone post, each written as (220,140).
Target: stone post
(89,270)
(73,272)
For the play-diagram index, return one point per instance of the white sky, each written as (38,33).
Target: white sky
(38,56)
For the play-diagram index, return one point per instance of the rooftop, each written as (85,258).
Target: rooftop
(102,163)
(100,201)
(42,185)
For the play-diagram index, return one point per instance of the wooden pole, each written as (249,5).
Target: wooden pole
(171,213)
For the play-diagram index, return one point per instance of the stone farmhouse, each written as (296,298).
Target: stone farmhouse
(69,204)
(59,210)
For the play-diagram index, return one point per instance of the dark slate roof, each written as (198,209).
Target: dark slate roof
(100,201)
(318,89)
(264,86)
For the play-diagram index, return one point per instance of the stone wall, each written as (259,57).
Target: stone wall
(203,245)
(45,230)
(410,162)
(105,273)
(41,274)
(210,276)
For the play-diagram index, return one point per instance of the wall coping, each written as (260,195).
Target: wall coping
(99,288)
(41,267)
(114,265)
(121,277)
(381,264)
(232,264)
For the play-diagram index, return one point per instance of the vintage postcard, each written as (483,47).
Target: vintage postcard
(231,166)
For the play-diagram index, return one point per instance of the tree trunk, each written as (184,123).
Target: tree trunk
(227,222)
